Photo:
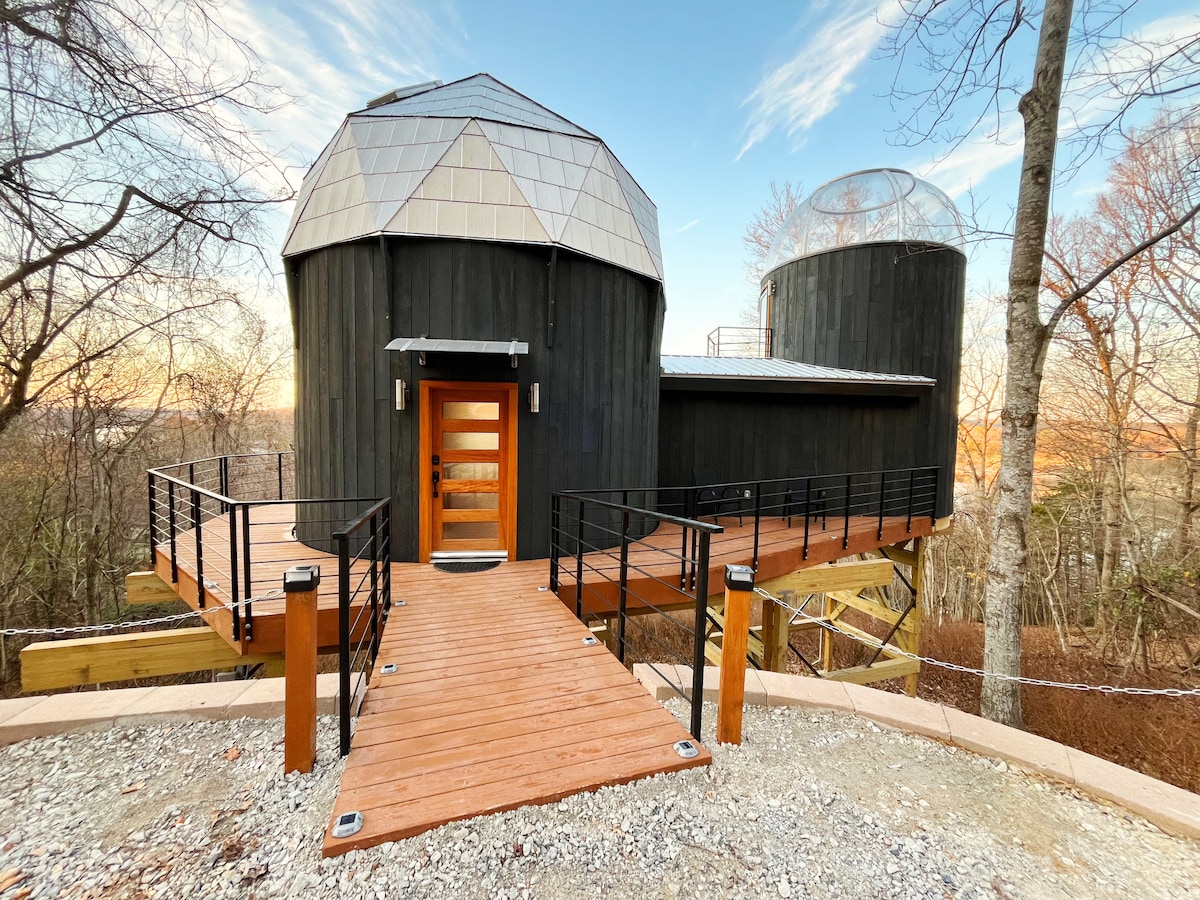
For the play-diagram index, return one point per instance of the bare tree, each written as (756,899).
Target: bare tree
(981,36)
(981,397)
(765,225)
(224,382)
(130,188)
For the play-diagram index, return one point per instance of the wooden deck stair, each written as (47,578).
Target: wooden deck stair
(496,703)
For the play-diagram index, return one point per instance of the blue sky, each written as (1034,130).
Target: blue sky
(704,103)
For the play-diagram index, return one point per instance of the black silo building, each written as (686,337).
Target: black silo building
(512,266)
(863,299)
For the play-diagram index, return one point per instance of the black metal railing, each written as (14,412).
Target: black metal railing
(740,342)
(602,557)
(820,504)
(595,545)
(214,516)
(364,581)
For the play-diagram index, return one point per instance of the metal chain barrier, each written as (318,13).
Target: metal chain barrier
(139,623)
(999,676)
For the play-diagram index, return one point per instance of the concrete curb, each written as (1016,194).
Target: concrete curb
(1172,809)
(29,717)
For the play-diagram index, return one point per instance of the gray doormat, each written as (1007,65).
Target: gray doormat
(463,567)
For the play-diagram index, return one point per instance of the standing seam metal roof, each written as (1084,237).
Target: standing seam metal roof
(775,369)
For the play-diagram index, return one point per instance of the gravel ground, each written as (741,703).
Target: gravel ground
(811,805)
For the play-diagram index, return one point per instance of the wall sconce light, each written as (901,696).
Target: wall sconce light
(401,395)
(535,397)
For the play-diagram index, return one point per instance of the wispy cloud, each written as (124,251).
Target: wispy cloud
(970,162)
(691,224)
(333,57)
(810,85)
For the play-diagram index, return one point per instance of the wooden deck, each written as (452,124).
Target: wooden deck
(496,703)
(273,551)
(780,551)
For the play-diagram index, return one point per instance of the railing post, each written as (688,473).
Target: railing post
(153,513)
(683,559)
(300,668)
(695,550)
(247,575)
(882,484)
(223,479)
(171,531)
(579,563)
(846,526)
(385,559)
(624,595)
(279,470)
(555,537)
(374,553)
(701,579)
(807,511)
(739,588)
(757,519)
(198,531)
(233,573)
(911,475)
(344,697)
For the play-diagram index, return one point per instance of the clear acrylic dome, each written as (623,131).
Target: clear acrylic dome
(865,207)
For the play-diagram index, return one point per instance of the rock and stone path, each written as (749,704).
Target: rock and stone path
(813,804)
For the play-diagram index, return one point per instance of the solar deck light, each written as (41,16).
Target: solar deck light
(301,578)
(535,397)
(348,824)
(389,669)
(739,578)
(686,749)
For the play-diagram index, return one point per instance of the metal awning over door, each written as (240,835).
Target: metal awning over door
(423,345)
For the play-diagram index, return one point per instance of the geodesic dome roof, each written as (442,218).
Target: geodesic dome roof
(866,207)
(474,159)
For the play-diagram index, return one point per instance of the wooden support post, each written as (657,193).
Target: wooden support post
(774,636)
(912,640)
(826,642)
(739,586)
(300,664)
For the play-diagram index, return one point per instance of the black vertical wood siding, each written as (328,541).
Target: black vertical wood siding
(598,424)
(746,436)
(886,307)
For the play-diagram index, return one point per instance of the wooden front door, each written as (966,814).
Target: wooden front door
(468,467)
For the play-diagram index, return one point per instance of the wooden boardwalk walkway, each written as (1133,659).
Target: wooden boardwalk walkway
(496,703)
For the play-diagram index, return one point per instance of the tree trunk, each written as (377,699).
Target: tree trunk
(1187,493)
(1111,512)
(1026,340)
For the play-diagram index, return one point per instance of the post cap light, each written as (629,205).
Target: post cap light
(739,578)
(301,578)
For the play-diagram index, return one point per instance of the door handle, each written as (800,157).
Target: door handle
(436,478)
